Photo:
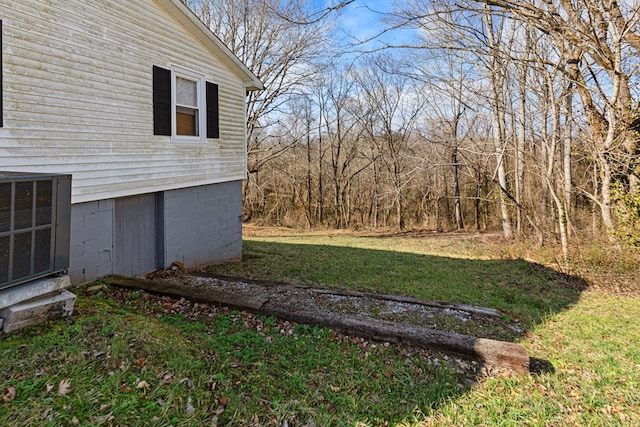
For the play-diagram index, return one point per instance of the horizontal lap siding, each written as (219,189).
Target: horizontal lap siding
(78,98)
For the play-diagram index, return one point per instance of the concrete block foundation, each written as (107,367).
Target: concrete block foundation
(137,234)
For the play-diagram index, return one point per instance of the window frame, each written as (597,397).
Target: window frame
(200,81)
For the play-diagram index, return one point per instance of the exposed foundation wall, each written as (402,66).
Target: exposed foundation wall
(196,226)
(91,252)
(203,225)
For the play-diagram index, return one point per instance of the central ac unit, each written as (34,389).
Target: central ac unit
(35,217)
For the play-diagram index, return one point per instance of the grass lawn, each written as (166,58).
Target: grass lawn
(128,358)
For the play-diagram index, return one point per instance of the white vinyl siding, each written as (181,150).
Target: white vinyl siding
(78,98)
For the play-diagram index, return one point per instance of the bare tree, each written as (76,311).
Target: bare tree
(283,43)
(448,79)
(594,44)
(342,135)
(497,81)
(593,36)
(390,107)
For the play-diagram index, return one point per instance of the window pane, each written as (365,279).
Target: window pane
(186,92)
(186,121)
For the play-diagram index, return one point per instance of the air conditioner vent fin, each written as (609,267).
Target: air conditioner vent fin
(34,226)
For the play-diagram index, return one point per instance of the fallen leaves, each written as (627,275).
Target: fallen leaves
(143,385)
(190,408)
(166,378)
(9,394)
(95,288)
(222,402)
(102,419)
(64,387)
(141,363)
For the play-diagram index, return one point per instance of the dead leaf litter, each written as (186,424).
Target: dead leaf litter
(475,321)
(459,321)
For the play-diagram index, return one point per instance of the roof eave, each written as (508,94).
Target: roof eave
(189,19)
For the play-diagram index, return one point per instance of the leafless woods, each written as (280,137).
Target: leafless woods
(518,116)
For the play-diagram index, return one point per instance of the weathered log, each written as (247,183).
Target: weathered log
(384,297)
(195,294)
(410,300)
(486,351)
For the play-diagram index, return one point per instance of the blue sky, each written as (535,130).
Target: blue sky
(361,19)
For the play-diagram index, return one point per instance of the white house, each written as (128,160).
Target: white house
(145,108)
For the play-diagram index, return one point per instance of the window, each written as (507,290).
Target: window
(185,106)
(187,103)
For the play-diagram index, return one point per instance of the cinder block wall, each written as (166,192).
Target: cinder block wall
(91,252)
(203,225)
(200,225)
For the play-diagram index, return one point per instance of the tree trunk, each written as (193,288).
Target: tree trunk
(456,187)
(496,79)
(520,143)
(568,140)
(310,219)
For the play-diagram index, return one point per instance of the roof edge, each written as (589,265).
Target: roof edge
(188,18)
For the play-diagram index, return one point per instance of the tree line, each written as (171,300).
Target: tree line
(498,115)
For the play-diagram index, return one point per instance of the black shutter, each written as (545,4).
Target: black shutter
(213,113)
(1,115)
(161,101)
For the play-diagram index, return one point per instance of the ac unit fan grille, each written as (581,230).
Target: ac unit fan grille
(29,222)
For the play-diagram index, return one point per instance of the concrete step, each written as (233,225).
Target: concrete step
(54,305)
(30,290)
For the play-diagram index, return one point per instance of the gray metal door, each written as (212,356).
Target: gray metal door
(136,239)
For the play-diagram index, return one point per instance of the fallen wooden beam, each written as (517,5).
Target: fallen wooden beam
(195,294)
(486,351)
(409,300)
(360,294)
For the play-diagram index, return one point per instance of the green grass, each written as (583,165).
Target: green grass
(309,376)
(595,351)
(107,351)
(522,290)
